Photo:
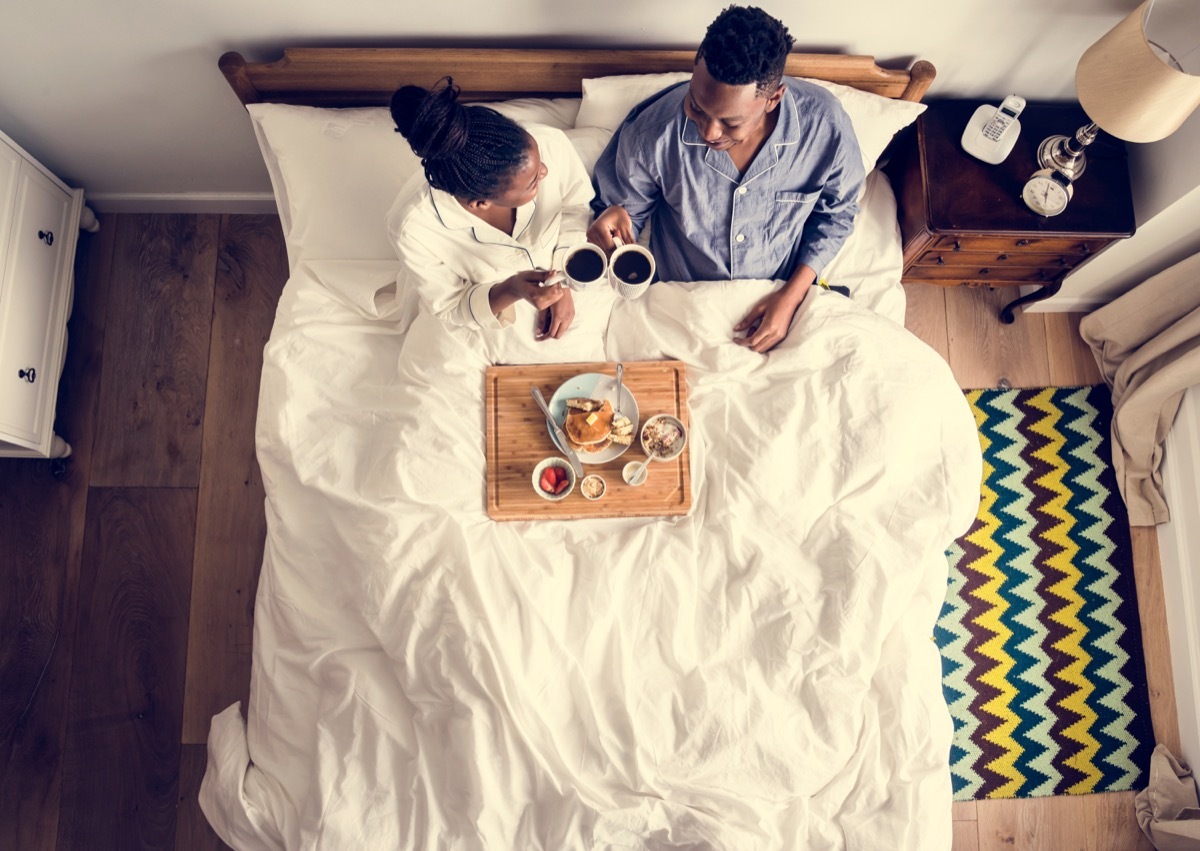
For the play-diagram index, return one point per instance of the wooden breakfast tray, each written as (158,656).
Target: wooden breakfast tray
(516,438)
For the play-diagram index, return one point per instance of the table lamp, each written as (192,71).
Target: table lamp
(1139,82)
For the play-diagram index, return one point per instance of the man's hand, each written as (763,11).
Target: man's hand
(612,222)
(562,312)
(767,323)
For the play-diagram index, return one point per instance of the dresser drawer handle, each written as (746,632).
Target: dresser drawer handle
(1062,261)
(1085,248)
(46,236)
(1002,257)
(957,245)
(1022,242)
(29,374)
(985,271)
(941,261)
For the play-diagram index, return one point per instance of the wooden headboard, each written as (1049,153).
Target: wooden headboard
(321,76)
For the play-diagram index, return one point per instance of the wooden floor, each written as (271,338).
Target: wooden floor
(129,581)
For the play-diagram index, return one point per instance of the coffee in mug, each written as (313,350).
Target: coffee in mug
(584,266)
(632,268)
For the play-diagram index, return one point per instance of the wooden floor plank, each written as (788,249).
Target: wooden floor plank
(1110,823)
(1156,641)
(925,316)
(1071,360)
(1032,824)
(230,523)
(192,831)
(986,353)
(121,765)
(41,535)
(156,352)
(966,836)
(964,811)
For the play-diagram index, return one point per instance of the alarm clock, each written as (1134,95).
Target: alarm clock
(1047,192)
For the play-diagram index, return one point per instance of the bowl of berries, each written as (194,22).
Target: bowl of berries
(553,479)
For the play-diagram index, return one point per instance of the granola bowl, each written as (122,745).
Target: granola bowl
(663,437)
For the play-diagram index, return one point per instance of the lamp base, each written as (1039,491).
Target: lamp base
(1066,153)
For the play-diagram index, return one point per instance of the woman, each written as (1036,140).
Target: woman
(484,228)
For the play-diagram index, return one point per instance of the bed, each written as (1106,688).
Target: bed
(759,673)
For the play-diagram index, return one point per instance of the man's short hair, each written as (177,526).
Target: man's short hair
(746,45)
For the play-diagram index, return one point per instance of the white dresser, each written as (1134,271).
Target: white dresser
(40,219)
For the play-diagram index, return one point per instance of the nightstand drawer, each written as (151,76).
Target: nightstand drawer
(1012,244)
(997,275)
(979,259)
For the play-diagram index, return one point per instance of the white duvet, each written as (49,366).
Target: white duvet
(757,675)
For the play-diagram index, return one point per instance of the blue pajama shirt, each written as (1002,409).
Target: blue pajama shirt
(795,204)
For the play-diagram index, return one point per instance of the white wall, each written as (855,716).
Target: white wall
(123,97)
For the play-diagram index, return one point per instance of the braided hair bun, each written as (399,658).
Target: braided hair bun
(469,151)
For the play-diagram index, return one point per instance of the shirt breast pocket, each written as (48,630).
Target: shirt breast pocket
(791,212)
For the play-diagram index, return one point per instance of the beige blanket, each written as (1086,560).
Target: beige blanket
(1147,344)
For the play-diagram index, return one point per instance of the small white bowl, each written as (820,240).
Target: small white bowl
(627,474)
(553,461)
(603,486)
(679,446)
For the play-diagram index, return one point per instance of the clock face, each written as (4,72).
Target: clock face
(1045,195)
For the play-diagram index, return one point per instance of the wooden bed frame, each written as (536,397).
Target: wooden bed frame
(320,76)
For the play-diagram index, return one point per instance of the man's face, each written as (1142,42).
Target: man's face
(726,115)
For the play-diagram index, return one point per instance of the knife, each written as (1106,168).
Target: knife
(576,464)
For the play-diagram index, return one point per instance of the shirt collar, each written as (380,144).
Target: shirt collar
(785,133)
(454,216)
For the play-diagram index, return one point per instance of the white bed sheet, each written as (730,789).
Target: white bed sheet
(758,674)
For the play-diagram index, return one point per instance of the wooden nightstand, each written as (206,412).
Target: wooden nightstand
(963,221)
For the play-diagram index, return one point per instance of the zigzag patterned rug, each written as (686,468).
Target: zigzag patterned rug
(1041,646)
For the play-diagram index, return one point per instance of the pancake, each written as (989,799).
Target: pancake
(583,433)
(590,447)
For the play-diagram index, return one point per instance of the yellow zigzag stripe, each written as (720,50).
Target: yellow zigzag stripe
(1068,616)
(998,676)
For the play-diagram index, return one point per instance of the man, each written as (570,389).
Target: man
(747,174)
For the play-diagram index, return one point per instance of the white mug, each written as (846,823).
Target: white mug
(630,269)
(584,266)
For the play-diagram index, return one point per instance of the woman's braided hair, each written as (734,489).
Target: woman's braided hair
(469,151)
(744,45)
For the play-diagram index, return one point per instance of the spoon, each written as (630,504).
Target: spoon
(637,475)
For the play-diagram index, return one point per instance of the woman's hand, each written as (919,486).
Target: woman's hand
(527,286)
(768,322)
(612,222)
(562,312)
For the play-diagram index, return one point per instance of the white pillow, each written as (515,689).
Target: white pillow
(589,143)
(876,119)
(336,172)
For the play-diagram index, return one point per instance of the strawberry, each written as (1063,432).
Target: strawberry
(560,474)
(562,486)
(547,482)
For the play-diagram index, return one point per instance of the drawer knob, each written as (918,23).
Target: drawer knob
(941,260)
(29,374)
(985,271)
(957,245)
(1085,248)
(1002,257)
(46,236)
(1022,242)
(1062,261)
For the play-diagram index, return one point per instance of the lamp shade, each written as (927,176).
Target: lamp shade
(1128,89)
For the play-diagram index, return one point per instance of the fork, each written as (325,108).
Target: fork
(617,401)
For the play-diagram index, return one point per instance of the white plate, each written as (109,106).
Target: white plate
(598,386)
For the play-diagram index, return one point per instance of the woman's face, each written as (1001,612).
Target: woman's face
(523,186)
